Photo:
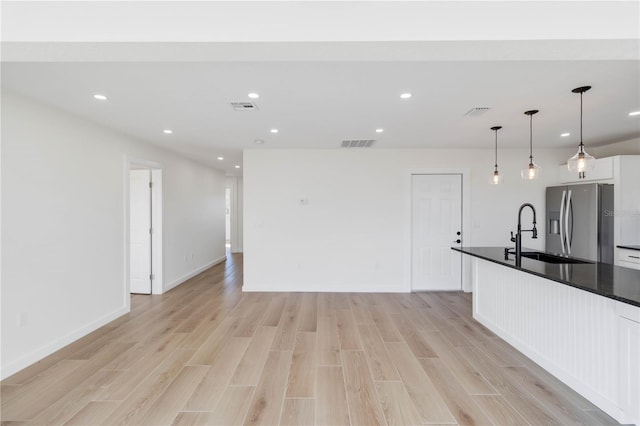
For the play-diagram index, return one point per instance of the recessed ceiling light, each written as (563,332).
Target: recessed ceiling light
(237,167)
(405,95)
(564,135)
(220,158)
(254,95)
(258,141)
(379,130)
(274,130)
(99,97)
(167,131)
(631,114)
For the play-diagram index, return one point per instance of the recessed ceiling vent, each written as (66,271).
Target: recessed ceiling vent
(243,106)
(474,112)
(358,143)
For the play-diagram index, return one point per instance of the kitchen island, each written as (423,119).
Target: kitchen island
(581,322)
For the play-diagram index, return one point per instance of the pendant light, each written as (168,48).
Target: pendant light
(496,178)
(533,170)
(581,162)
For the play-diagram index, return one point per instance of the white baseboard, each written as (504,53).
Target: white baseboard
(330,288)
(192,274)
(46,350)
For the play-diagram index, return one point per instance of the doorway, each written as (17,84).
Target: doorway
(436,226)
(145,229)
(227,219)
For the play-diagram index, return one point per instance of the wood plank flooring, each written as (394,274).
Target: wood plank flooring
(207,354)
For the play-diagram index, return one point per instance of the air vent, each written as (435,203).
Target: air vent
(358,143)
(474,112)
(243,106)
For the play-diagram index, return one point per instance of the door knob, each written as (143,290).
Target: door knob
(457,241)
(458,233)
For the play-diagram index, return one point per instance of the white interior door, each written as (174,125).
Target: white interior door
(140,231)
(436,222)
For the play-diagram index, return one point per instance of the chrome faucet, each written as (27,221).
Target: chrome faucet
(518,237)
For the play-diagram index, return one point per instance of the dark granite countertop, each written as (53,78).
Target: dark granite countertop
(630,247)
(614,282)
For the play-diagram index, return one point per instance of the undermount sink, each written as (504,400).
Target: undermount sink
(550,258)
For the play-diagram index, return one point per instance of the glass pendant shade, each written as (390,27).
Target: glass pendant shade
(581,162)
(532,171)
(496,177)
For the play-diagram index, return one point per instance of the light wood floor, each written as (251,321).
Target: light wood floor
(205,353)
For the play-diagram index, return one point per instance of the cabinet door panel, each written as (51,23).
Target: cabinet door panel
(629,369)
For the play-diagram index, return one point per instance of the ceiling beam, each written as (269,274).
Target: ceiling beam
(317,21)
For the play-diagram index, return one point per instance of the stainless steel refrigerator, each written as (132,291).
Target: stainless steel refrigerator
(579,221)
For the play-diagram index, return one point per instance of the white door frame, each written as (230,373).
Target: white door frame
(157,223)
(466,221)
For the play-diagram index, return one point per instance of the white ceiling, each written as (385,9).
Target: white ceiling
(325,80)
(319,104)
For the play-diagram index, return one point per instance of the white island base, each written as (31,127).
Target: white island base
(590,342)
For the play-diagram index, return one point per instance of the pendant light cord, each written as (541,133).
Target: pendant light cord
(531,138)
(581,143)
(581,161)
(496,165)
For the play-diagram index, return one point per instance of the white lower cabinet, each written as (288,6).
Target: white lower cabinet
(590,342)
(629,258)
(629,265)
(629,365)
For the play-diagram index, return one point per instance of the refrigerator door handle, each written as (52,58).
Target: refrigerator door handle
(564,193)
(566,221)
(570,231)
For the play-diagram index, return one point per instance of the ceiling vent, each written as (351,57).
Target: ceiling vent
(474,112)
(358,143)
(243,106)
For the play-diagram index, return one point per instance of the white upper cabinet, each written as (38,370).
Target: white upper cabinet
(603,170)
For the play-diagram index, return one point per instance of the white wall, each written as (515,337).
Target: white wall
(629,147)
(353,235)
(193,218)
(63,226)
